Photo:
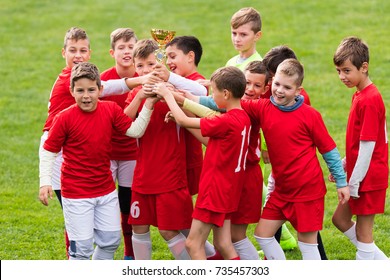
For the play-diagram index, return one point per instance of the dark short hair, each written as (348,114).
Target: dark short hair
(85,70)
(187,44)
(258,67)
(230,78)
(354,49)
(277,55)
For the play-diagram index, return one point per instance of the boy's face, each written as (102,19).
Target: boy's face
(86,93)
(243,37)
(255,85)
(76,52)
(218,96)
(284,89)
(178,62)
(144,66)
(123,52)
(350,75)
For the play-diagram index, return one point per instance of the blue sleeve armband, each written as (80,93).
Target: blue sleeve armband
(208,101)
(333,161)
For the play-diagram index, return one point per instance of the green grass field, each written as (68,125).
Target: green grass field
(30,57)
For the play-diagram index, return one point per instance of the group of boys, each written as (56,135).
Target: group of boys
(92,146)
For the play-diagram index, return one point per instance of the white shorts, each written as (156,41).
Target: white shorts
(123,172)
(56,174)
(82,216)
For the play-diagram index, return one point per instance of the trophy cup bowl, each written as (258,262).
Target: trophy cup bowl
(162,37)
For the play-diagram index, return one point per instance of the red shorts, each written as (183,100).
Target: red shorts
(249,207)
(369,203)
(210,217)
(193,177)
(166,211)
(304,216)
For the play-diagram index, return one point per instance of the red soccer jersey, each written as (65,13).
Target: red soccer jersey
(161,162)
(60,97)
(367,122)
(85,138)
(292,139)
(123,147)
(194,151)
(222,178)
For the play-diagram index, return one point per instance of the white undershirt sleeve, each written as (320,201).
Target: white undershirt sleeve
(366,148)
(46,162)
(186,84)
(114,87)
(138,127)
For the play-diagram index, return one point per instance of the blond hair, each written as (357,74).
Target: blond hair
(244,16)
(122,33)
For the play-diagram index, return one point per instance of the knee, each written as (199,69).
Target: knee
(81,249)
(108,239)
(168,234)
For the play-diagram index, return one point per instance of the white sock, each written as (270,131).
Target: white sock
(309,251)
(365,251)
(177,245)
(271,248)
(351,234)
(142,246)
(246,250)
(209,248)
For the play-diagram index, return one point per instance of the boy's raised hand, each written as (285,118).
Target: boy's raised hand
(161,71)
(151,78)
(161,89)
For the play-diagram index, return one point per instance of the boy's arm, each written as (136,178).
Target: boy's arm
(46,162)
(335,166)
(198,135)
(114,87)
(138,127)
(198,109)
(121,86)
(180,117)
(132,109)
(366,148)
(208,101)
(180,82)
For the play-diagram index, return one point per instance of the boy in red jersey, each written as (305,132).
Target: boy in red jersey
(183,57)
(293,131)
(124,149)
(76,50)
(366,151)
(224,163)
(159,198)
(89,197)
(249,208)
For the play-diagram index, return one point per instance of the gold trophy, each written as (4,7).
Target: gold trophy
(162,37)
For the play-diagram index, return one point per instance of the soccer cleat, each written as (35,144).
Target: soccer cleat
(287,240)
(128,258)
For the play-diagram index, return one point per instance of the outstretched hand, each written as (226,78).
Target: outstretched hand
(169,117)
